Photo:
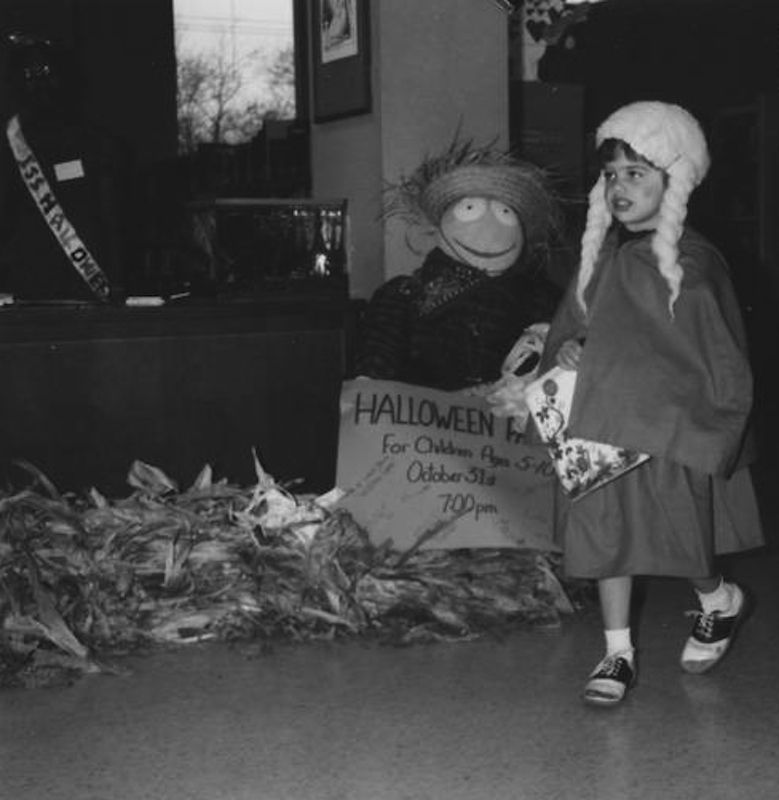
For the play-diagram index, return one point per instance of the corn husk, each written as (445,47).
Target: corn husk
(84,579)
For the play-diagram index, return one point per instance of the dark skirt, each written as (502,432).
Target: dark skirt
(658,519)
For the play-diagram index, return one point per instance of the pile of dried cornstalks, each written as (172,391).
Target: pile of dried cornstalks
(82,579)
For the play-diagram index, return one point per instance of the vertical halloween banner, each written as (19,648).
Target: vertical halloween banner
(438,469)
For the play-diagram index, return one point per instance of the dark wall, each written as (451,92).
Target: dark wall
(126,60)
(700,53)
(128,46)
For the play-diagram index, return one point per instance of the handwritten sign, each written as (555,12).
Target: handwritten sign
(439,470)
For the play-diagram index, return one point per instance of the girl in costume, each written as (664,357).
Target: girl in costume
(452,322)
(653,328)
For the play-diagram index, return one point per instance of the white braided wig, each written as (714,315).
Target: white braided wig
(671,139)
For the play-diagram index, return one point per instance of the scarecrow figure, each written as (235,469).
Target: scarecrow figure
(456,322)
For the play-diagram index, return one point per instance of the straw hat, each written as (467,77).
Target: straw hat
(464,170)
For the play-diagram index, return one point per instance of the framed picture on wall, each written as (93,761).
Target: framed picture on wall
(340,38)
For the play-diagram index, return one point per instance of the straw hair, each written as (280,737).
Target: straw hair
(464,170)
(671,139)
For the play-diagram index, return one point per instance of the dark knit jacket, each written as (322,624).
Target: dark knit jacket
(449,325)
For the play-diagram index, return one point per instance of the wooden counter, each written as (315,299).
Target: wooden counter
(87,389)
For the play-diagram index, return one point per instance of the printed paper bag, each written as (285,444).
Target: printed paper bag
(581,465)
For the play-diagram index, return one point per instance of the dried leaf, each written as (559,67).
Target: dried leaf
(86,579)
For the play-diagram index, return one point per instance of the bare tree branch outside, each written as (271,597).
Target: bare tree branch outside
(235,69)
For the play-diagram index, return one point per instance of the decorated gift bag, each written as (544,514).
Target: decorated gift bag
(582,466)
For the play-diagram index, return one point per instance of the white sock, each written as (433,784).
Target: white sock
(618,641)
(721,599)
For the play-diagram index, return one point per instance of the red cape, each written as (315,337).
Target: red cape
(679,387)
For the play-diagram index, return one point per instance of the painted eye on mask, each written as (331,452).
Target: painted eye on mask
(469,209)
(504,214)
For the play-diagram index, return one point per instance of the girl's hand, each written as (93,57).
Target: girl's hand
(569,354)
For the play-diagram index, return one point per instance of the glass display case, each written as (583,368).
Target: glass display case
(258,247)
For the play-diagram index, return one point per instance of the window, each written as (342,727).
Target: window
(236,69)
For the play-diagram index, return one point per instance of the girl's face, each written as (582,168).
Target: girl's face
(634,191)
(482,232)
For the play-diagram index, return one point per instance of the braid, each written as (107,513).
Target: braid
(598,221)
(673,211)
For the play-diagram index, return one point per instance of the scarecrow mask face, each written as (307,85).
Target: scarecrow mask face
(482,232)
